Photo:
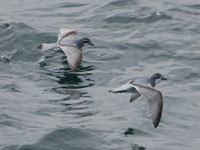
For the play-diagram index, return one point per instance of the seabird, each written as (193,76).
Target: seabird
(145,87)
(71,46)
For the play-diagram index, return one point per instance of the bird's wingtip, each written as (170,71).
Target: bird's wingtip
(156,124)
(73,69)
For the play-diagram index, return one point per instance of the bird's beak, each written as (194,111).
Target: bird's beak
(90,43)
(163,78)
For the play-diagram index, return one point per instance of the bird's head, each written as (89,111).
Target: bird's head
(158,77)
(87,41)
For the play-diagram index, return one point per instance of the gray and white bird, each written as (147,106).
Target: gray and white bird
(145,87)
(71,46)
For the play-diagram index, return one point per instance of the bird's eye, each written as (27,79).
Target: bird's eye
(158,76)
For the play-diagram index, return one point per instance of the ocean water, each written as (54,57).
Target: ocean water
(45,106)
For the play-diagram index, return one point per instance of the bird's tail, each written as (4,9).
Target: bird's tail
(48,46)
(126,88)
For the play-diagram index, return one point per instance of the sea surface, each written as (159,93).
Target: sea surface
(45,106)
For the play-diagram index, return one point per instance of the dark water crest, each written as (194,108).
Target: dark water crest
(44,106)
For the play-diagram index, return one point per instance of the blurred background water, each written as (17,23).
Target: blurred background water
(44,106)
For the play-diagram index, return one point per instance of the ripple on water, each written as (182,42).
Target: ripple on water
(69,5)
(154,17)
(7,121)
(195,6)
(189,12)
(17,43)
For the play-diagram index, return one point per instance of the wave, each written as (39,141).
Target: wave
(127,18)
(67,138)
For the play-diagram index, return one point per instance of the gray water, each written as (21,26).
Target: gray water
(44,106)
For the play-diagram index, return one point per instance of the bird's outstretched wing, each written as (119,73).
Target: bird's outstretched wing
(155,102)
(64,32)
(73,53)
(74,56)
(134,96)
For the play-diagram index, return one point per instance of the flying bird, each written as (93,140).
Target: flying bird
(70,45)
(145,87)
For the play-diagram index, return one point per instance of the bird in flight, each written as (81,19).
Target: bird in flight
(70,45)
(145,87)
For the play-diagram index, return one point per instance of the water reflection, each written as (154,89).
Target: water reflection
(71,80)
(75,103)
